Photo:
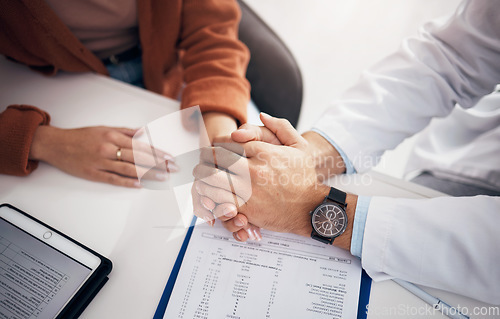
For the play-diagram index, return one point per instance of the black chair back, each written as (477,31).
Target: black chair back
(272,72)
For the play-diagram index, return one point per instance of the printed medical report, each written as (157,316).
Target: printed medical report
(281,276)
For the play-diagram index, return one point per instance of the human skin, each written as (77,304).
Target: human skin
(91,152)
(277,206)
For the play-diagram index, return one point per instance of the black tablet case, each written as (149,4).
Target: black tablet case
(87,292)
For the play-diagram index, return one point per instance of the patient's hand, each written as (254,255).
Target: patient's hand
(92,153)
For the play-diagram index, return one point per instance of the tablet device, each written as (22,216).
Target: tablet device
(44,273)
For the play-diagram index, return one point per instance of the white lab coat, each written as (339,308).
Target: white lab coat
(462,147)
(447,243)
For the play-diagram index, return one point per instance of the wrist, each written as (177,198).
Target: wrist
(327,159)
(219,124)
(40,145)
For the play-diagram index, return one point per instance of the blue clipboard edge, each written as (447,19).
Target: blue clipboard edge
(364,294)
(364,291)
(167,292)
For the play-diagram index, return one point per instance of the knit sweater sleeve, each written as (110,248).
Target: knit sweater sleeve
(18,124)
(215,61)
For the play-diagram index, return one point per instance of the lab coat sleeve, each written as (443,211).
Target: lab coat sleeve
(450,243)
(455,60)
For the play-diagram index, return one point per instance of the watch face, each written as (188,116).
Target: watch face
(329,220)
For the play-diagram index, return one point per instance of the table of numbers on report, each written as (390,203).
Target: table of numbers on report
(281,276)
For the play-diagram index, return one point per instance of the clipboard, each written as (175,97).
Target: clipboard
(46,274)
(364,295)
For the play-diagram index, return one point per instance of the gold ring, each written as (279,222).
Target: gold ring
(119,154)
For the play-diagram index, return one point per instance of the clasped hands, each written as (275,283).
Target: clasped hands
(264,177)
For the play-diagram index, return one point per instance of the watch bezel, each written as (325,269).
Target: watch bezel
(342,209)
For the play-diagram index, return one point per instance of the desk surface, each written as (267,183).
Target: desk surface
(141,231)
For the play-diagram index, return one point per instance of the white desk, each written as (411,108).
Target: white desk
(141,231)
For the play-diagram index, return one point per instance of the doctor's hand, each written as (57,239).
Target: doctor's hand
(102,154)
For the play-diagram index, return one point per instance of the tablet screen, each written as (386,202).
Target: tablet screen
(36,280)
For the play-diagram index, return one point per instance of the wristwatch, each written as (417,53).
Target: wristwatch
(329,219)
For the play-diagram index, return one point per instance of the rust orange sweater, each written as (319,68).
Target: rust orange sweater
(202,32)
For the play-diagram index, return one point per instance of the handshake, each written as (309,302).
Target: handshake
(264,177)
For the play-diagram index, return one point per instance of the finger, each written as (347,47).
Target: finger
(222,158)
(283,130)
(219,176)
(133,171)
(218,195)
(240,235)
(254,148)
(247,132)
(151,174)
(139,146)
(199,210)
(225,211)
(231,146)
(148,160)
(207,203)
(114,179)
(235,224)
(118,141)
(250,149)
(220,185)
(253,232)
(128,131)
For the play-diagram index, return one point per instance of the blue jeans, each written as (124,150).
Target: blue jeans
(129,72)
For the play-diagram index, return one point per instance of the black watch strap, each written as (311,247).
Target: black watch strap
(337,196)
(322,239)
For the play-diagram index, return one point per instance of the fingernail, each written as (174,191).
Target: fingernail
(238,222)
(257,234)
(207,219)
(243,130)
(251,234)
(237,236)
(229,212)
(137,184)
(265,115)
(168,157)
(197,188)
(205,203)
